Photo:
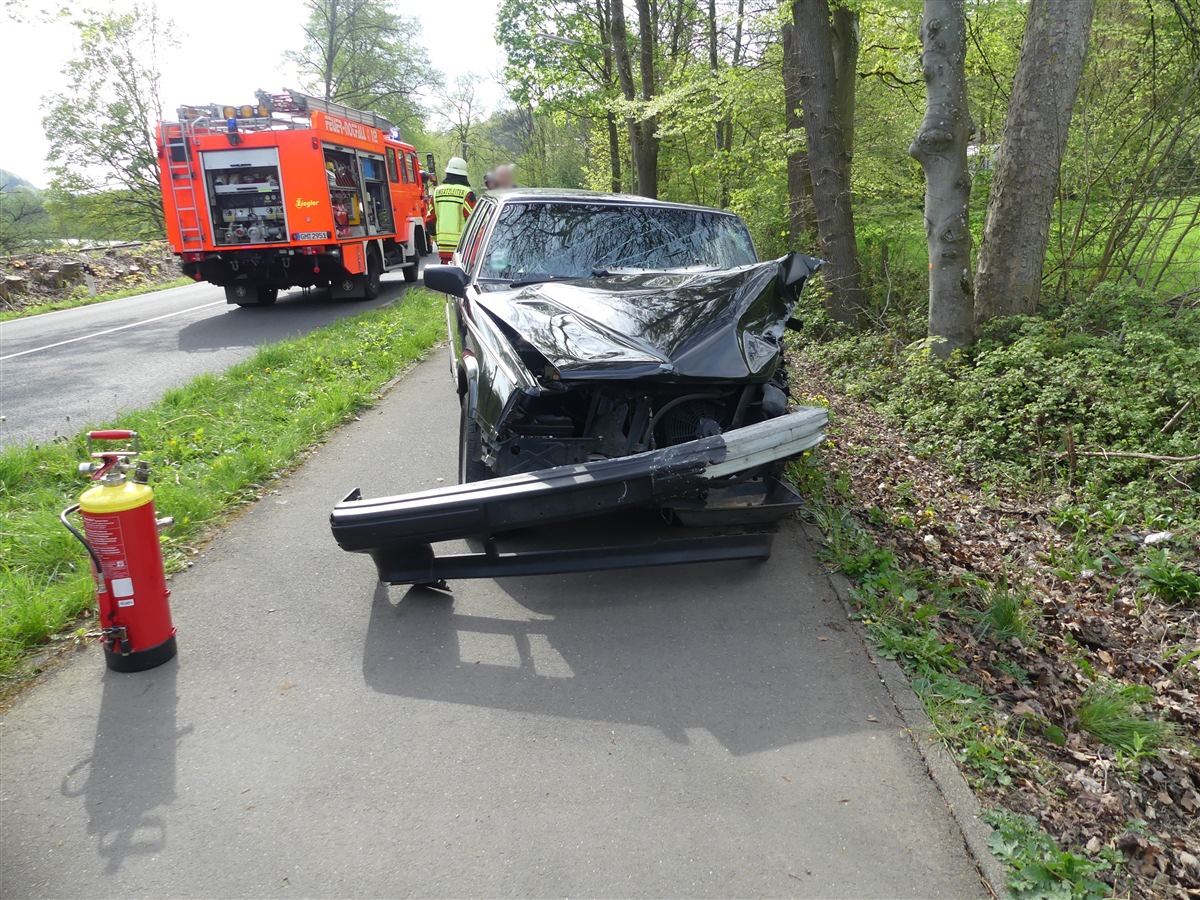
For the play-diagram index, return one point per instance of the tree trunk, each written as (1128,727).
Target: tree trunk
(719,129)
(802,223)
(828,159)
(614,153)
(620,44)
(941,148)
(331,49)
(738,30)
(714,68)
(725,125)
(845,73)
(604,18)
(1017,227)
(647,152)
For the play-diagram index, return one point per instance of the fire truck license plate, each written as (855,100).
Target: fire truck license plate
(311,236)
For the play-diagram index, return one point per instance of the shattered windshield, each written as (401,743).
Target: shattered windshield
(552,241)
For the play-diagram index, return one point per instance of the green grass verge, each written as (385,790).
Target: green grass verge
(213,444)
(83,299)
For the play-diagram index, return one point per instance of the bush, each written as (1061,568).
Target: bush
(1113,368)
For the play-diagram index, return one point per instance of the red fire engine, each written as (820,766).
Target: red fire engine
(292,192)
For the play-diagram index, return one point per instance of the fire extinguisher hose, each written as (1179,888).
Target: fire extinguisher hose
(75,531)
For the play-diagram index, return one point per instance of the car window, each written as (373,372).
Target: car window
(573,240)
(473,236)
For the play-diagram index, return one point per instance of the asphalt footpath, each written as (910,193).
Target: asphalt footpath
(713,730)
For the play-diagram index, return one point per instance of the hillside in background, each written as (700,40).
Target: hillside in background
(10,181)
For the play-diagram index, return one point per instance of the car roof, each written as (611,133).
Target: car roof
(573,195)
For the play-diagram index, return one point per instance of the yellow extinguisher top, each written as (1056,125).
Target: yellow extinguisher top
(113,498)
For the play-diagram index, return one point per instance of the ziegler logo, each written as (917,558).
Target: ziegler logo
(304,204)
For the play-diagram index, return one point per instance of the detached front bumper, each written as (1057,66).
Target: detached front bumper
(398,532)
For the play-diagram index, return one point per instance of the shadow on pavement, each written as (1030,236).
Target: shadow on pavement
(295,313)
(125,803)
(717,646)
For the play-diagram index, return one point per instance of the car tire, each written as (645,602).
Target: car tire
(470,467)
(374,282)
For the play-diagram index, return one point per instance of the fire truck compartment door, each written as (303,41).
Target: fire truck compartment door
(240,159)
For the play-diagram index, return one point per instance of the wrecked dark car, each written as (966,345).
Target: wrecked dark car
(609,352)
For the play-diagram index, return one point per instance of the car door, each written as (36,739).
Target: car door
(467,256)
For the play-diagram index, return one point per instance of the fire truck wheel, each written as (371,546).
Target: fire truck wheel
(267,296)
(410,272)
(374,273)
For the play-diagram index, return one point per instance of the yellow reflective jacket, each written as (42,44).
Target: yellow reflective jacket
(451,205)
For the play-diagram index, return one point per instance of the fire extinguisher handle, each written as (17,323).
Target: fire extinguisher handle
(114,434)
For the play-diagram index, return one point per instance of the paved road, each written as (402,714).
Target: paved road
(63,371)
(711,730)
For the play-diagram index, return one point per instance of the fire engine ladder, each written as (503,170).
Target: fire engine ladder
(178,150)
(298,104)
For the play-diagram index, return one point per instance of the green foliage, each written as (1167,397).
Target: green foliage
(1112,369)
(101,142)
(547,150)
(23,218)
(924,650)
(1112,713)
(365,55)
(1012,669)
(1129,204)
(555,55)
(1037,868)
(212,444)
(991,756)
(1168,579)
(1131,175)
(561,74)
(101,216)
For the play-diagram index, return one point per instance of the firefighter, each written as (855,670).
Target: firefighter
(453,201)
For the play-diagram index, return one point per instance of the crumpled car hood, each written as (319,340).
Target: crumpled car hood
(723,325)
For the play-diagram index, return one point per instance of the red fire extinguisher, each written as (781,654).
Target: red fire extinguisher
(120,532)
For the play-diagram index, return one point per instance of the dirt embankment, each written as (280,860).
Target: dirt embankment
(1143,807)
(34,279)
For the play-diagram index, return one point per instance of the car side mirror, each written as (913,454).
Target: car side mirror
(450,280)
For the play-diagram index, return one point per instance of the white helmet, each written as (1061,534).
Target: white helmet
(456,166)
